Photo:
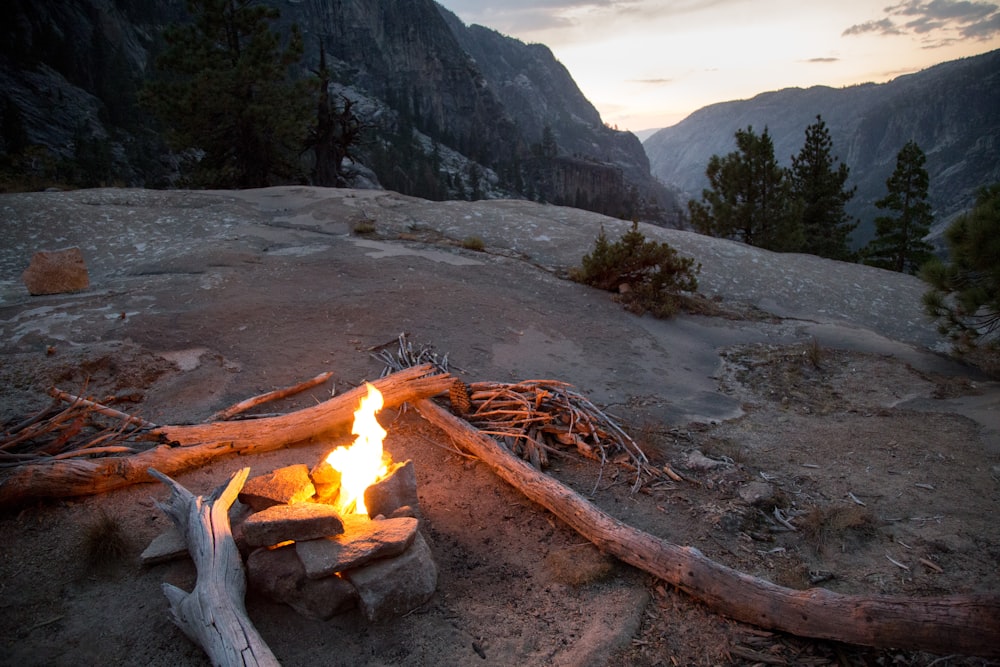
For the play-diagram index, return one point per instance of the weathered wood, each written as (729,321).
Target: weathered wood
(214,614)
(195,445)
(275,395)
(966,624)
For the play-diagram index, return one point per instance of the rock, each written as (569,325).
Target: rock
(167,546)
(56,272)
(326,480)
(301,521)
(393,586)
(397,489)
(697,461)
(757,493)
(279,575)
(287,485)
(363,540)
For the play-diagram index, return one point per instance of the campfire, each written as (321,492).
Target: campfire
(363,463)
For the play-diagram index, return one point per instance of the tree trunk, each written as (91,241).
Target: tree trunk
(214,614)
(195,445)
(967,624)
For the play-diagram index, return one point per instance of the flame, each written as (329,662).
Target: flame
(362,463)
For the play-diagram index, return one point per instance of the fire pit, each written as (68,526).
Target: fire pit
(343,534)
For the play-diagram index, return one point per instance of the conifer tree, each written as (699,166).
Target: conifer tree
(819,187)
(965,298)
(750,198)
(224,92)
(898,244)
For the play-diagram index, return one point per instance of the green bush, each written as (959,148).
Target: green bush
(474,243)
(647,276)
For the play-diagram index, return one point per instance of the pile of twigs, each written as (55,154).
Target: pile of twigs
(407,357)
(69,427)
(536,418)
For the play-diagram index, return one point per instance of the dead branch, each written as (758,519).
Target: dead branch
(276,395)
(967,624)
(190,446)
(214,614)
(101,409)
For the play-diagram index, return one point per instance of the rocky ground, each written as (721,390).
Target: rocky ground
(822,394)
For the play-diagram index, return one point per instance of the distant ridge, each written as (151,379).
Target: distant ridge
(952,110)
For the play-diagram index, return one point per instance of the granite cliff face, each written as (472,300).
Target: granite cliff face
(457,111)
(951,110)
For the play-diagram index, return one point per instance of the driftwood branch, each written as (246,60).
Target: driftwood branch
(191,446)
(967,624)
(214,614)
(275,395)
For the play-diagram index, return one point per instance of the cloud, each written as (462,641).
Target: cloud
(938,22)
(882,27)
(823,60)
(652,82)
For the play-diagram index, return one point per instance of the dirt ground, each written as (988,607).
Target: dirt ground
(868,449)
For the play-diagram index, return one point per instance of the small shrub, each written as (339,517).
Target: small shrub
(647,276)
(363,227)
(473,243)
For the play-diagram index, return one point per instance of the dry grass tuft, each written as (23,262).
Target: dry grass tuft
(578,565)
(104,540)
(839,524)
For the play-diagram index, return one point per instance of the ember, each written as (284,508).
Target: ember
(363,463)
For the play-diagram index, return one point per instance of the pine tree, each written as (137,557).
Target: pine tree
(334,133)
(750,198)
(965,298)
(225,93)
(819,187)
(898,244)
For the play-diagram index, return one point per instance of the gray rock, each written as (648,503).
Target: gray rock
(167,546)
(363,540)
(393,586)
(695,460)
(397,489)
(301,521)
(56,272)
(757,493)
(279,575)
(287,485)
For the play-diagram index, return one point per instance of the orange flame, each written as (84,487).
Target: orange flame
(362,463)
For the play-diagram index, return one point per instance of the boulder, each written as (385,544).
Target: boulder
(301,521)
(287,485)
(394,586)
(363,540)
(56,272)
(397,489)
(278,575)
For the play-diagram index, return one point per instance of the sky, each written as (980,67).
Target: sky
(650,63)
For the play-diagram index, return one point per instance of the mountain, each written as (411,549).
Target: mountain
(455,111)
(951,110)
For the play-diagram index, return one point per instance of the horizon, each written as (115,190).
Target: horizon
(647,64)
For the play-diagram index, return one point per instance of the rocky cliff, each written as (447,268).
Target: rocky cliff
(951,110)
(457,111)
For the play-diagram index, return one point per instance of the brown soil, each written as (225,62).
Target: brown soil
(515,583)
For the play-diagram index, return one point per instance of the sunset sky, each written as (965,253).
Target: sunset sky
(649,63)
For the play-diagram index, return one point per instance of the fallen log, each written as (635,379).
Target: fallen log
(190,446)
(966,624)
(214,614)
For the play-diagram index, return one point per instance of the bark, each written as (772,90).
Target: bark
(966,624)
(214,614)
(194,445)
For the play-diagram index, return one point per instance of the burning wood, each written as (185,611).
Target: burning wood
(189,446)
